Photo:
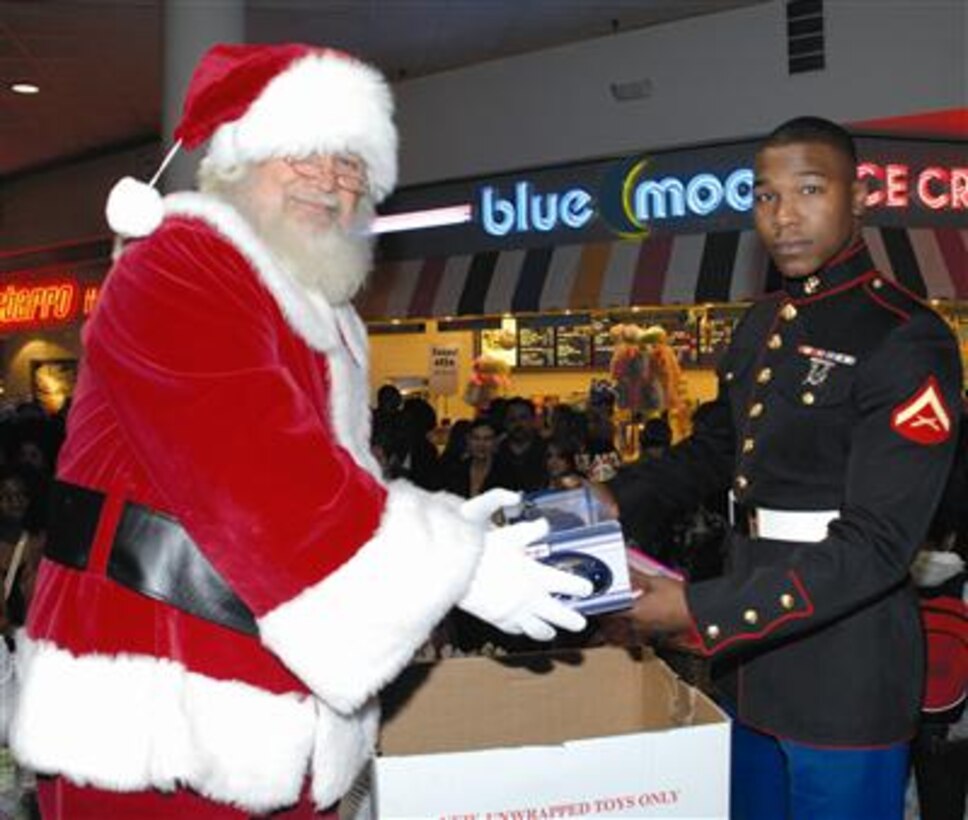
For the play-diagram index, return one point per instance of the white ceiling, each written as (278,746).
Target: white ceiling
(99,62)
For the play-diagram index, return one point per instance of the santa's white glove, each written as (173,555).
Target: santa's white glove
(512,591)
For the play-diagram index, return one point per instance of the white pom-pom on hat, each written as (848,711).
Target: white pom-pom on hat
(134,208)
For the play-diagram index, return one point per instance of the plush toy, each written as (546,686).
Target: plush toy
(670,386)
(630,370)
(490,376)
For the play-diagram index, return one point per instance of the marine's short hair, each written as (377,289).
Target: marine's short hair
(812,129)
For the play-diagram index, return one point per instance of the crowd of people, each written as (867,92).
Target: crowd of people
(507,445)
(29,443)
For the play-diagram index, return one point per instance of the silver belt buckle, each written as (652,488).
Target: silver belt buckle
(752,524)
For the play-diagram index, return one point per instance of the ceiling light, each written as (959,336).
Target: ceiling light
(25,88)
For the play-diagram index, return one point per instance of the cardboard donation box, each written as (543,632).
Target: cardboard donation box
(603,732)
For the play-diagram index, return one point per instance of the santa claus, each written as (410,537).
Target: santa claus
(229,582)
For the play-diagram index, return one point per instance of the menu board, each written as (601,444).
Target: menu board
(715,333)
(602,344)
(573,346)
(698,335)
(679,326)
(536,346)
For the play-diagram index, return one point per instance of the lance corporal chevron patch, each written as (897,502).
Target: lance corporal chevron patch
(923,419)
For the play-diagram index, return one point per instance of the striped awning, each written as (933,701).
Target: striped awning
(729,266)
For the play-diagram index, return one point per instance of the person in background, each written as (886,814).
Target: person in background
(520,459)
(496,412)
(940,749)
(563,472)
(388,438)
(388,445)
(655,439)
(389,401)
(834,427)
(455,448)
(599,458)
(228,580)
(420,458)
(568,422)
(34,442)
(21,542)
(475,473)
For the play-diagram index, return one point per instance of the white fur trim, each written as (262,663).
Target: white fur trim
(312,318)
(132,722)
(343,746)
(354,631)
(321,103)
(350,394)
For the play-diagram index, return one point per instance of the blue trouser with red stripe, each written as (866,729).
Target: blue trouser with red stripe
(775,779)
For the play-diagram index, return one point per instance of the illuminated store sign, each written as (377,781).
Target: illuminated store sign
(528,210)
(44,304)
(893,185)
(644,198)
(700,195)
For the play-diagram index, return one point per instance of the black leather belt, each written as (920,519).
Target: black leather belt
(151,553)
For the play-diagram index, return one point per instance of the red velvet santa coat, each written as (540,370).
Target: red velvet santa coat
(216,389)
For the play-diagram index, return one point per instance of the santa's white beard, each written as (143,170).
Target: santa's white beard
(332,261)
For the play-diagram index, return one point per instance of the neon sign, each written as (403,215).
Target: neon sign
(643,198)
(700,195)
(530,210)
(44,304)
(934,187)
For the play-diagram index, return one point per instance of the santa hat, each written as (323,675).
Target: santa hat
(254,102)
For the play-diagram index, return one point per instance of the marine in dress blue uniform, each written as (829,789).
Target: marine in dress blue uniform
(834,429)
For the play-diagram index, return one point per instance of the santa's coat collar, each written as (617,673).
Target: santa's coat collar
(321,325)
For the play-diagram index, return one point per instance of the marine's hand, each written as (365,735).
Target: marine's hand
(661,606)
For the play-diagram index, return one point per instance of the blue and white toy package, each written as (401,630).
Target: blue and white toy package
(583,540)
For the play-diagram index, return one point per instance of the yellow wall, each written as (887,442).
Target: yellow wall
(395,356)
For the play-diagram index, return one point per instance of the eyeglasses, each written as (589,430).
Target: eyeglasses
(345,171)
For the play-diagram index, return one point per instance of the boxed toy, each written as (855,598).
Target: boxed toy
(583,540)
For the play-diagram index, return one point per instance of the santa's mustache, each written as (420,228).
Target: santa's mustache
(316,200)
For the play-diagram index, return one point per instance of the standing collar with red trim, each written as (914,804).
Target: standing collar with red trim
(847,268)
